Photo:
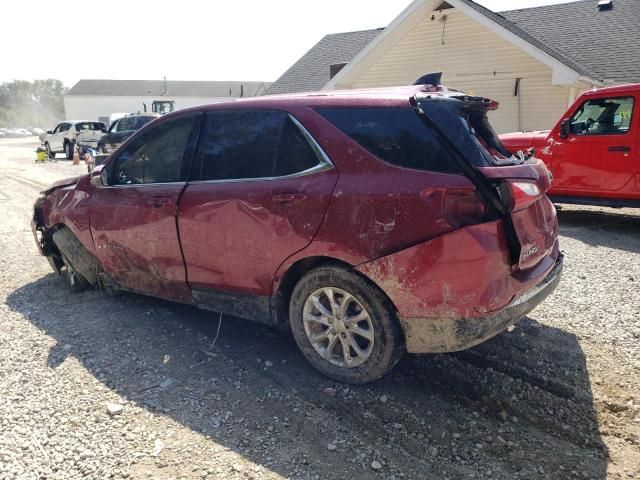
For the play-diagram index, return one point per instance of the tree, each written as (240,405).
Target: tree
(37,103)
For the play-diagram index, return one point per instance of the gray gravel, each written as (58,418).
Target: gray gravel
(132,387)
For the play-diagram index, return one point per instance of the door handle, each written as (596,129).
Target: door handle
(620,148)
(158,202)
(288,197)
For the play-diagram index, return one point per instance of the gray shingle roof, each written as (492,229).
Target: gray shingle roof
(311,72)
(606,42)
(175,88)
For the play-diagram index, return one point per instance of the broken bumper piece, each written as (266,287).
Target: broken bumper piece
(439,335)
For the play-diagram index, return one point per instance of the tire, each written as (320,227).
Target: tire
(77,283)
(50,154)
(68,150)
(375,357)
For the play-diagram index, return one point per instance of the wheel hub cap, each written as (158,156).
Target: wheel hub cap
(338,327)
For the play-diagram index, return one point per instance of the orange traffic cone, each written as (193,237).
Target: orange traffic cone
(76,157)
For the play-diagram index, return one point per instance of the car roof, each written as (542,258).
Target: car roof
(386,96)
(628,88)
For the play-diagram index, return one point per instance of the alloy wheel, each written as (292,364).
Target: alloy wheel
(338,327)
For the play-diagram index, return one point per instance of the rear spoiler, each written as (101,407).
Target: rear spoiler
(469,102)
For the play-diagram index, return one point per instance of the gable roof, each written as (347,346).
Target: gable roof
(174,88)
(605,42)
(601,46)
(311,72)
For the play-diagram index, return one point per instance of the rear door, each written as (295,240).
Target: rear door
(260,189)
(133,220)
(598,156)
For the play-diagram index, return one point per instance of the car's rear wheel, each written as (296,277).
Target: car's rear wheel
(50,153)
(68,150)
(344,326)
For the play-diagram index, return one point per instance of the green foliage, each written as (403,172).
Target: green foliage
(31,104)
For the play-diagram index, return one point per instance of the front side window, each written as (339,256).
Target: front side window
(395,135)
(63,127)
(239,144)
(124,124)
(603,116)
(163,107)
(156,156)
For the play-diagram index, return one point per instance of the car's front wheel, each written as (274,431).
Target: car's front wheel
(50,153)
(344,326)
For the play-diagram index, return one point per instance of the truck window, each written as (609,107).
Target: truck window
(603,116)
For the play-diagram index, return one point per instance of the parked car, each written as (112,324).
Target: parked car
(593,151)
(370,223)
(36,132)
(63,137)
(121,129)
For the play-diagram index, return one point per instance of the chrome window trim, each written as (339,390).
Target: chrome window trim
(312,141)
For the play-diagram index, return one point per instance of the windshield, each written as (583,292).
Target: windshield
(463,121)
(90,126)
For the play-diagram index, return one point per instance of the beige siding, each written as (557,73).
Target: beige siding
(476,60)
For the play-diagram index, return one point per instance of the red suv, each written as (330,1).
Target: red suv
(367,222)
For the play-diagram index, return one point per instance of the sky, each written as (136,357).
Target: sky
(247,40)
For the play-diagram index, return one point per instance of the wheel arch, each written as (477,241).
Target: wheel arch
(286,283)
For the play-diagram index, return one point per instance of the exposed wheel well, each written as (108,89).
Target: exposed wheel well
(280,307)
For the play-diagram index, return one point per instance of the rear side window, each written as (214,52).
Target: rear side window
(239,144)
(395,135)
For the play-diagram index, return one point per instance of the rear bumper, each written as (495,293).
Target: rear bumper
(438,335)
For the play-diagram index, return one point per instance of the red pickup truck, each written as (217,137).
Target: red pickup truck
(593,152)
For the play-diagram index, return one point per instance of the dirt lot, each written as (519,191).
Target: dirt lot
(558,397)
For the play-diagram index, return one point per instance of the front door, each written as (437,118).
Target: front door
(599,154)
(261,188)
(133,220)
(55,143)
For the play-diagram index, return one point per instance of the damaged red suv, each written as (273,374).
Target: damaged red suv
(369,223)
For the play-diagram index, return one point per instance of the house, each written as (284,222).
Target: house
(98,99)
(533,61)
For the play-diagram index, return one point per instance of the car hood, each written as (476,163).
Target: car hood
(524,140)
(65,182)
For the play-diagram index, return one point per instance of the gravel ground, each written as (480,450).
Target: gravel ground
(100,387)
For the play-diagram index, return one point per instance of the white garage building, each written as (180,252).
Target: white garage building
(98,99)
(533,61)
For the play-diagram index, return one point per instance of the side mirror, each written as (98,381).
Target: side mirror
(104,176)
(564,128)
(49,132)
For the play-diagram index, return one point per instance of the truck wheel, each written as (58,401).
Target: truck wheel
(68,150)
(50,154)
(344,326)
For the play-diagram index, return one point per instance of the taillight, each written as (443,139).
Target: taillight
(522,194)
(463,207)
